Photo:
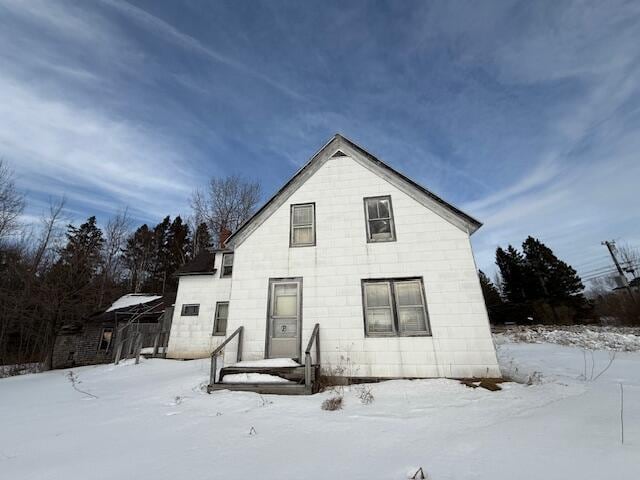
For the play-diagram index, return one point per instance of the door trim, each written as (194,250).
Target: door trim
(267,343)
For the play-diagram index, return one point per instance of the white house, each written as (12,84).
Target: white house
(382,265)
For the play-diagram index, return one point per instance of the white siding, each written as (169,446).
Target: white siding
(427,246)
(191,336)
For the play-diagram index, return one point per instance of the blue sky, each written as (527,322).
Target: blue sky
(524,114)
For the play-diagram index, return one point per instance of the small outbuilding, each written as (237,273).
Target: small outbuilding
(134,321)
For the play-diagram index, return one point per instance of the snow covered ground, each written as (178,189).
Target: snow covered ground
(592,337)
(153,421)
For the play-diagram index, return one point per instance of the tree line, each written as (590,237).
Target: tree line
(57,272)
(534,286)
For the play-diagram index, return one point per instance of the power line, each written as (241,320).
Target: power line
(611,246)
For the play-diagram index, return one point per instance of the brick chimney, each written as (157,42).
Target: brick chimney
(225,233)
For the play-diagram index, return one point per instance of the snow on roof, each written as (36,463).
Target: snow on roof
(132,299)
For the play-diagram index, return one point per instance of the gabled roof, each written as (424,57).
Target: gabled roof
(201,264)
(340,146)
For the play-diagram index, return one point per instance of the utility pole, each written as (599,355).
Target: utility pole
(611,246)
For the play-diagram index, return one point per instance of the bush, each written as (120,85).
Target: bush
(365,395)
(332,403)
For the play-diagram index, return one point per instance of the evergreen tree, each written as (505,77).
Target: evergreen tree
(513,270)
(491,295)
(153,256)
(202,239)
(557,282)
(137,257)
(81,257)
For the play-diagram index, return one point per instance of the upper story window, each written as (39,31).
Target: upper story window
(303,228)
(227,265)
(394,307)
(190,310)
(220,321)
(379,214)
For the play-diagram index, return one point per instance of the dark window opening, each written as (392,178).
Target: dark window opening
(379,215)
(105,339)
(227,265)
(220,321)
(191,310)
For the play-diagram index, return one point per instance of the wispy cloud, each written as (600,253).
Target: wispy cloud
(524,113)
(188,42)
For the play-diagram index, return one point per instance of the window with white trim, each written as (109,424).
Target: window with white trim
(227,265)
(394,307)
(303,229)
(220,321)
(379,215)
(190,310)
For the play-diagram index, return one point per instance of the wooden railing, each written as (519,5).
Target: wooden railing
(134,339)
(315,338)
(216,352)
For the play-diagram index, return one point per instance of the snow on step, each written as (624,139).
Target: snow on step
(253,378)
(268,362)
(149,350)
(132,299)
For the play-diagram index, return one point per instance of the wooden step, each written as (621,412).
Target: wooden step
(262,388)
(295,374)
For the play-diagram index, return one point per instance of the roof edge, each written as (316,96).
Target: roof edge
(339,140)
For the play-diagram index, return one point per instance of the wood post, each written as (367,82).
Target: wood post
(138,348)
(307,370)
(214,365)
(118,352)
(156,341)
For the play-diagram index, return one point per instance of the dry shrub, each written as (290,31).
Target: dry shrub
(365,395)
(332,403)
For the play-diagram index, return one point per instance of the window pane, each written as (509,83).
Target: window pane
(286,289)
(411,319)
(190,310)
(223,310)
(372,209)
(227,259)
(302,235)
(302,215)
(377,294)
(380,229)
(286,301)
(408,293)
(221,325)
(379,320)
(383,209)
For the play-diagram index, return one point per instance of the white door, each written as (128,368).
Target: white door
(284,318)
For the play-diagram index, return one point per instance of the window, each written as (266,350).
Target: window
(191,310)
(105,339)
(220,321)
(227,265)
(379,215)
(394,307)
(303,229)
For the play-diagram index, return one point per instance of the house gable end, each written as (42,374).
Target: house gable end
(337,147)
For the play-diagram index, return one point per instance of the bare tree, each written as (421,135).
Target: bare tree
(11,202)
(50,233)
(629,259)
(115,237)
(225,204)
